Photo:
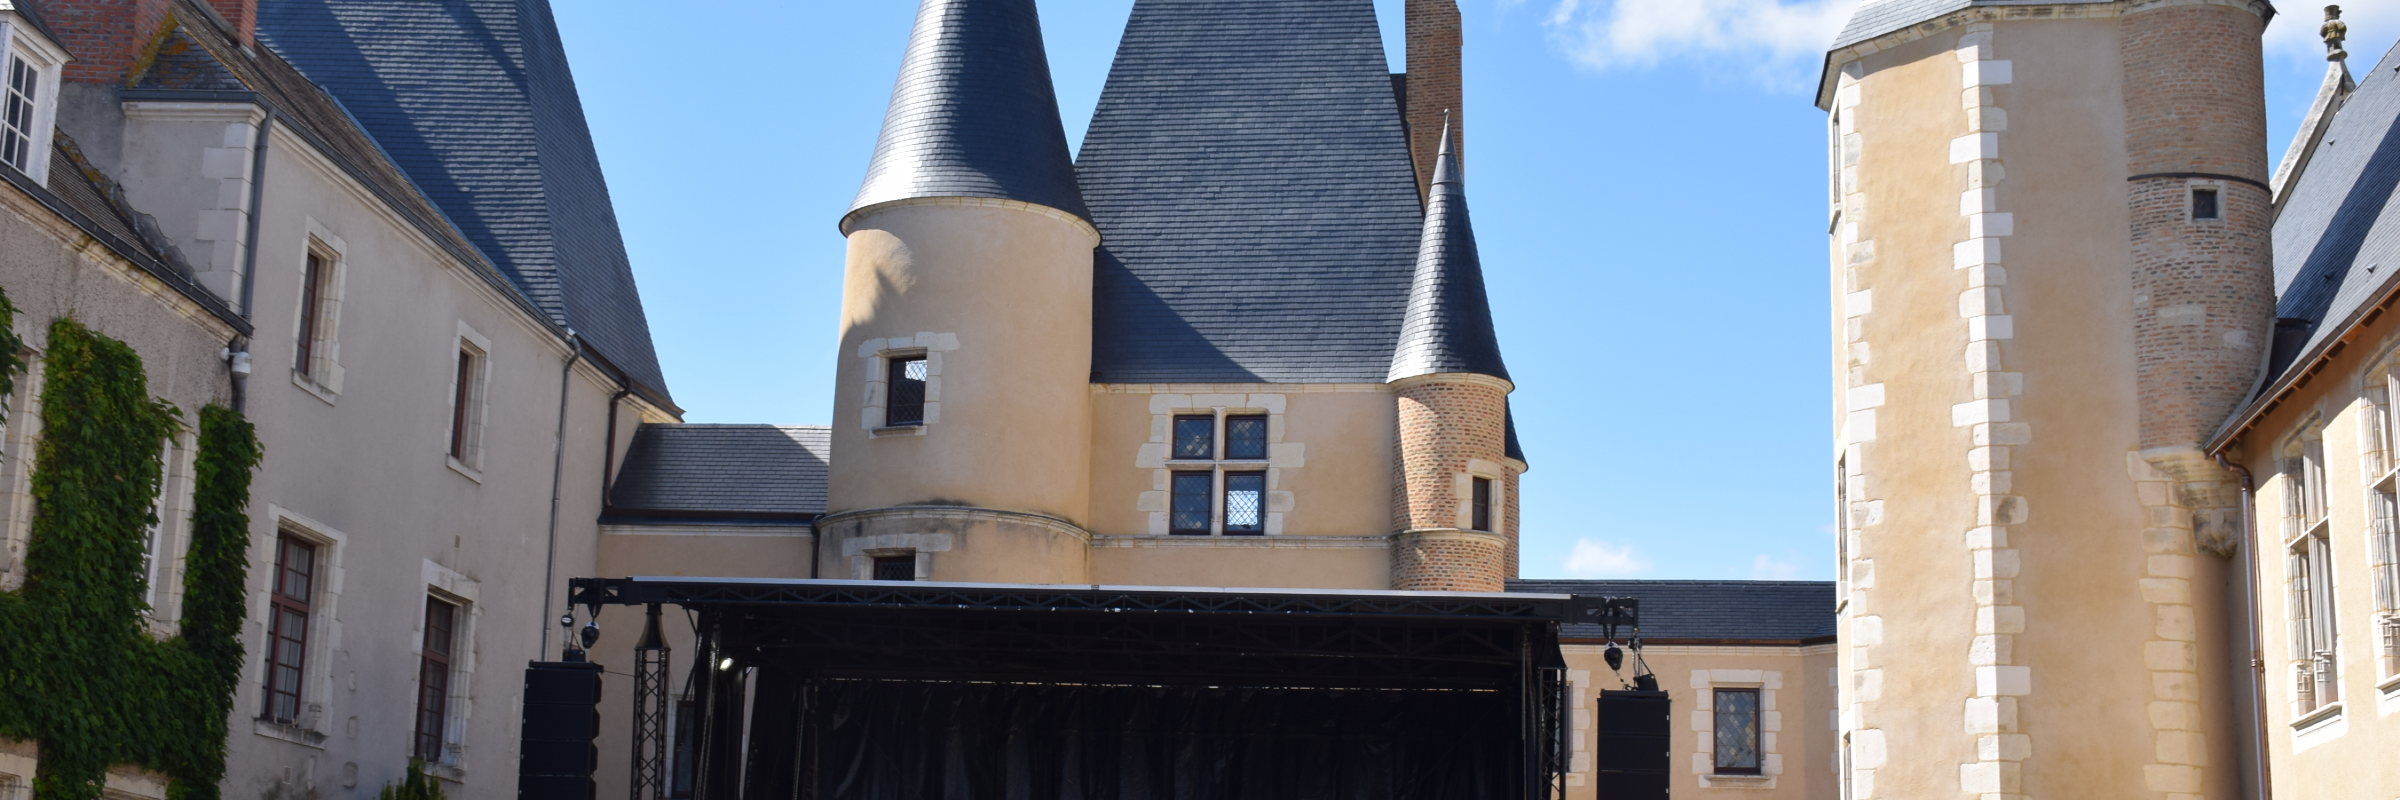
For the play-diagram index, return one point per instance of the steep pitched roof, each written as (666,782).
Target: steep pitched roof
(973,113)
(1253,190)
(737,471)
(473,99)
(1448,327)
(1784,611)
(2337,242)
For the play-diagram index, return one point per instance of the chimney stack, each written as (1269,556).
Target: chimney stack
(1434,87)
(242,15)
(105,36)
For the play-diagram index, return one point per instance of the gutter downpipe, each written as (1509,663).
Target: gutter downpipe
(237,352)
(558,464)
(608,457)
(2258,698)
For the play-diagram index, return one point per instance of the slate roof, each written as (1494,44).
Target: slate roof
(1251,182)
(2337,242)
(731,471)
(474,101)
(1878,17)
(1788,611)
(973,113)
(1448,327)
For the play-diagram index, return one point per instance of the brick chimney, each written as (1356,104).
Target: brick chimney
(1434,85)
(105,36)
(242,15)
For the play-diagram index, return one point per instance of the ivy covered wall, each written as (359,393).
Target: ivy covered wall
(79,672)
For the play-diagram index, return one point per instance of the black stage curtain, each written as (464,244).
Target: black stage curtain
(896,740)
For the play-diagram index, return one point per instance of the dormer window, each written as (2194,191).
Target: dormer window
(29,67)
(16,114)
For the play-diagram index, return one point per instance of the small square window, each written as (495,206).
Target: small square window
(1246,437)
(1482,516)
(1195,437)
(907,398)
(2204,204)
(1737,731)
(1188,504)
(896,568)
(1245,502)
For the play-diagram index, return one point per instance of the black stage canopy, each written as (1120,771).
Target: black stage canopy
(888,690)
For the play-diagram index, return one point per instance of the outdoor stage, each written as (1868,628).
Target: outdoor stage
(908,690)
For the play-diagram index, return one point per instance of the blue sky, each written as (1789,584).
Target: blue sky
(1649,191)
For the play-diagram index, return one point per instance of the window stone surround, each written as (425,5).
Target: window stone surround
(478,402)
(879,353)
(1704,686)
(465,593)
(1154,455)
(323,376)
(324,626)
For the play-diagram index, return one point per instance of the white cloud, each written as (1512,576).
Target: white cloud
(1767,37)
(1592,559)
(1767,568)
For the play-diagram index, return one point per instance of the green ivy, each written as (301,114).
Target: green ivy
(416,785)
(81,672)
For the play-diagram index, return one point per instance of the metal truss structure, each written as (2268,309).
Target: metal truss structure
(790,636)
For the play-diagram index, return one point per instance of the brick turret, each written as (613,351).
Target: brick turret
(1453,411)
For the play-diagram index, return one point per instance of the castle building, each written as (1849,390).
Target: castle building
(378,231)
(2045,455)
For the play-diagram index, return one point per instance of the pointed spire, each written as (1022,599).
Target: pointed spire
(973,113)
(1448,327)
(2330,94)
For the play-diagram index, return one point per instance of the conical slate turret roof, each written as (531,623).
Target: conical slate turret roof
(973,114)
(1448,327)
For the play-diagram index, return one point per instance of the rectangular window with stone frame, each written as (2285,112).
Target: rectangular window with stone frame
(896,567)
(2383,530)
(1736,729)
(433,679)
(2308,575)
(1480,515)
(291,588)
(1188,503)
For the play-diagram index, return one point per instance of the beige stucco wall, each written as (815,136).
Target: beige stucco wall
(1797,700)
(2344,753)
(1000,298)
(362,466)
(2001,566)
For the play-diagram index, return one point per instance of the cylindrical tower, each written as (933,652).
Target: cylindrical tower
(961,418)
(1452,508)
(2031,607)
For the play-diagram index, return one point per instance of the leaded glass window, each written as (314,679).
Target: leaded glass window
(896,568)
(1245,502)
(1189,504)
(906,404)
(1246,437)
(1737,732)
(1195,437)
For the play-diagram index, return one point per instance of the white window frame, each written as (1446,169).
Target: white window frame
(453,587)
(469,342)
(19,41)
(322,376)
(324,626)
(878,354)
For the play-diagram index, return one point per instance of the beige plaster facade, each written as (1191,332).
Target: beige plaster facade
(2028,611)
(2332,708)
